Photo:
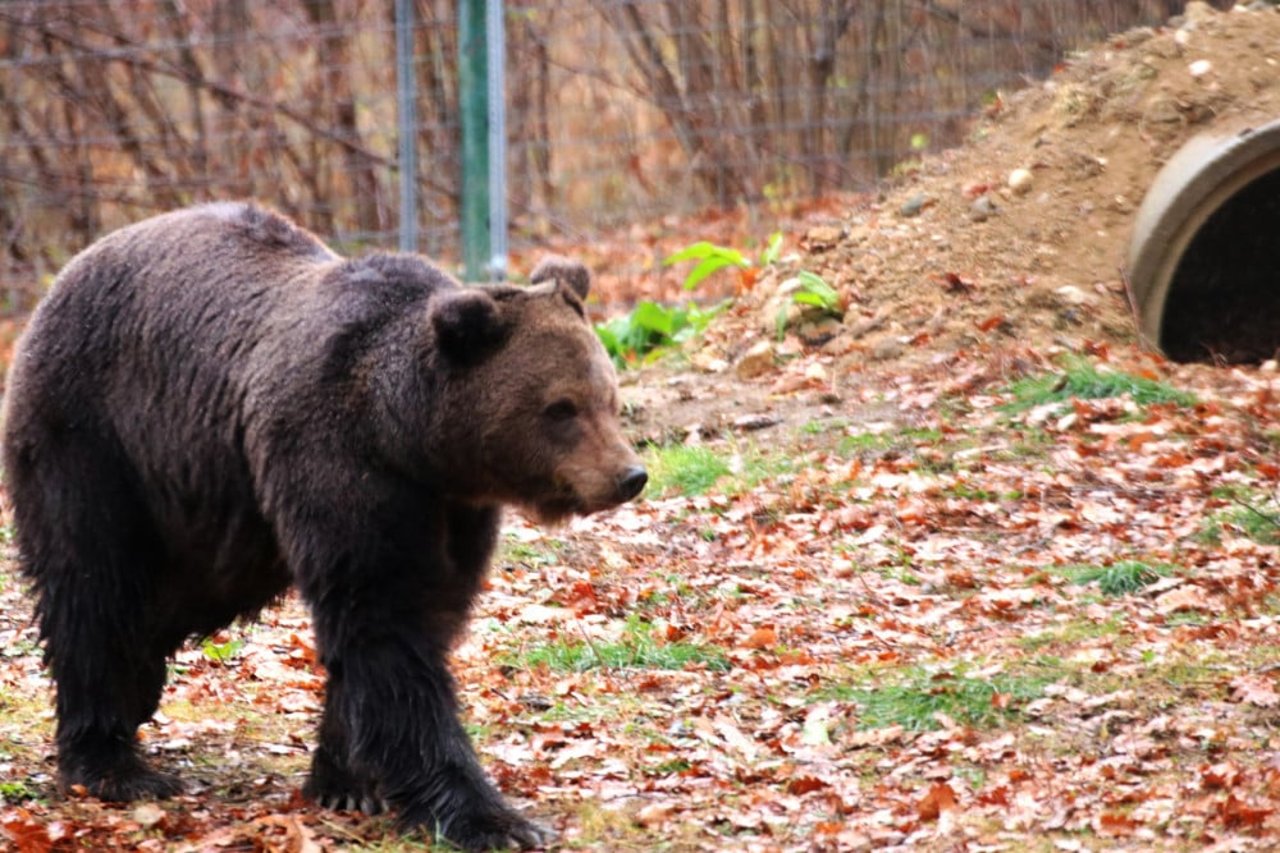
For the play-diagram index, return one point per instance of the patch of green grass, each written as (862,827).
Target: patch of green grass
(968,492)
(1083,380)
(1253,515)
(16,791)
(753,467)
(817,426)
(1210,532)
(917,696)
(1259,523)
(691,471)
(670,767)
(1186,617)
(544,552)
(1030,443)
(877,443)
(686,470)
(638,648)
(1071,633)
(1122,578)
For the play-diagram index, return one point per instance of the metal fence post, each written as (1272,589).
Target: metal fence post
(407,130)
(495,35)
(473,96)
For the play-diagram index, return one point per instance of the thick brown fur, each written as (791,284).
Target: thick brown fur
(211,405)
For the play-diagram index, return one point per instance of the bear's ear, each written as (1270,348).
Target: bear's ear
(467,324)
(564,272)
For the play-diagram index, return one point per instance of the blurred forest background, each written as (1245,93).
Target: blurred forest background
(618,110)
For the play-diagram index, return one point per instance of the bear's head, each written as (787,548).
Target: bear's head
(532,410)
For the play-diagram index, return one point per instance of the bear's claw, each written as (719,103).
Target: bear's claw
(367,804)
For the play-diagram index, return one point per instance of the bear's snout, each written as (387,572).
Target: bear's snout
(631,483)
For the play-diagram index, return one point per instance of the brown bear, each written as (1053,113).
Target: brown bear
(210,406)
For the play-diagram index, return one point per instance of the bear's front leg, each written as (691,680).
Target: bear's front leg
(332,783)
(396,705)
(389,574)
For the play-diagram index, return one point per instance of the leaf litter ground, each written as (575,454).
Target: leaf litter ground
(965,570)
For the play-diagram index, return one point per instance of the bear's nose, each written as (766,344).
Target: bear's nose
(632,481)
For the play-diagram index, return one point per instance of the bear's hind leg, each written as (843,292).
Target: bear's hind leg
(88,544)
(97,727)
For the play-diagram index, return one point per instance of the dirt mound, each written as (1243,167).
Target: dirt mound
(1020,236)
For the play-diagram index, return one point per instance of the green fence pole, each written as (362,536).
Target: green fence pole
(473,99)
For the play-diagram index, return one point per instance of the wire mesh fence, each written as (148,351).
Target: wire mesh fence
(617,110)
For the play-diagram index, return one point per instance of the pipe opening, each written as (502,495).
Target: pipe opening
(1223,302)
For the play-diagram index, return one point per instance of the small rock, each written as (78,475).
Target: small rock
(1072,295)
(709,362)
(1139,35)
(1200,67)
(912,206)
(1165,48)
(755,361)
(865,327)
(822,237)
(982,209)
(751,423)
(148,815)
(1198,11)
(536,701)
(818,332)
(1162,109)
(887,349)
(815,372)
(1020,181)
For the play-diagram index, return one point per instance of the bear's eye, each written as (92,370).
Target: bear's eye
(561,410)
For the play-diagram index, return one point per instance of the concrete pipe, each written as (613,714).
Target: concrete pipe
(1204,263)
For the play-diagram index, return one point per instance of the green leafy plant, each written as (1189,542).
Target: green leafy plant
(710,257)
(772,249)
(650,327)
(812,290)
(222,652)
(815,291)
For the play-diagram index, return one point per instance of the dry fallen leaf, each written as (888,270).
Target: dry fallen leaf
(940,798)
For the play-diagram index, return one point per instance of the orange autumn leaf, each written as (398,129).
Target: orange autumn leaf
(761,638)
(1113,823)
(941,798)
(1235,814)
(805,785)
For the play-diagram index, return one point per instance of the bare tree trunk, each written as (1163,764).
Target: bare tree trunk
(690,110)
(335,60)
(180,28)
